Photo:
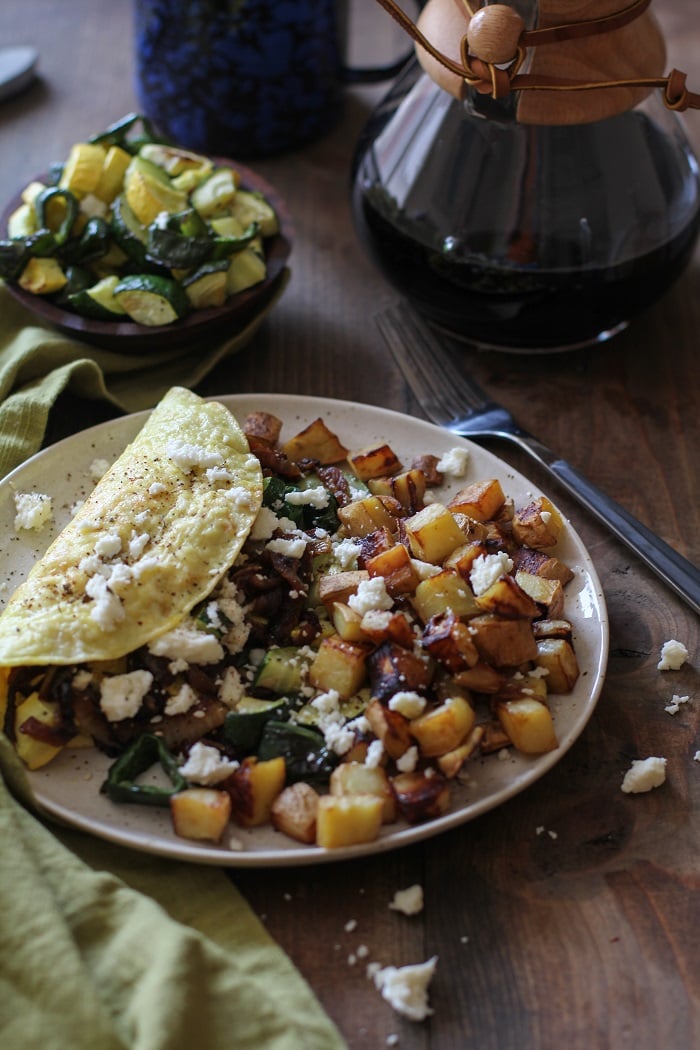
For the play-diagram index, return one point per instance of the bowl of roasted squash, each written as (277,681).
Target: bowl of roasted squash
(134,243)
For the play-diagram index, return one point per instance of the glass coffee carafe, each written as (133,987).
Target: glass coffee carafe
(525,223)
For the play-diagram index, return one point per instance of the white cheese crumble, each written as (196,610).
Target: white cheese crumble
(239,495)
(316,496)
(408,901)
(644,774)
(108,546)
(190,457)
(219,476)
(674,707)
(375,753)
(290,547)
(370,595)
(108,610)
(187,643)
(408,761)
(425,569)
(137,544)
(408,703)
(92,206)
(98,468)
(265,523)
(34,510)
(231,689)
(454,462)
(488,568)
(673,655)
(405,988)
(345,553)
(182,701)
(205,765)
(121,695)
(339,737)
(157,488)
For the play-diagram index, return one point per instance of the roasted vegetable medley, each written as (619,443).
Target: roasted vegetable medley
(372,637)
(132,229)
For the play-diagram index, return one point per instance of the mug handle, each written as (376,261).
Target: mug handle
(375,74)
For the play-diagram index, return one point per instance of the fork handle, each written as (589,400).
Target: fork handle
(680,574)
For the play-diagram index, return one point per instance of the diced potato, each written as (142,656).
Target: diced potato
(390,727)
(374,461)
(348,820)
(482,500)
(442,593)
(264,426)
(444,727)
(451,762)
(338,586)
(557,656)
(505,597)
(528,723)
(395,629)
(363,516)
(538,525)
(552,629)
(501,642)
(548,594)
(543,564)
(354,778)
(294,812)
(433,533)
(462,558)
(253,788)
(339,665)
(449,641)
(397,568)
(348,623)
(493,738)
(422,795)
(481,678)
(33,752)
(408,488)
(317,442)
(392,667)
(200,813)
(375,543)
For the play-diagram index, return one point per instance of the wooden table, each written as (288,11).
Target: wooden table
(586,940)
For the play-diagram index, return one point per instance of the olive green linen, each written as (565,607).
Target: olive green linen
(102,948)
(38,362)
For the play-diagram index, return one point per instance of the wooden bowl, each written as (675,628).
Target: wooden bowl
(220,321)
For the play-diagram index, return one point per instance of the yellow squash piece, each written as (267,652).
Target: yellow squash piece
(83,169)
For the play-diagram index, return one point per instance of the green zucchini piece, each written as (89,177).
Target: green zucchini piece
(252,207)
(243,727)
(216,192)
(303,749)
(180,241)
(128,232)
(98,301)
(245,270)
(147,750)
(206,287)
(93,243)
(282,671)
(117,134)
(152,300)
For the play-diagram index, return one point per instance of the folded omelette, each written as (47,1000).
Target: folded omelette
(150,543)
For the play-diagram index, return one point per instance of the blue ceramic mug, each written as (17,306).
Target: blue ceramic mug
(243,78)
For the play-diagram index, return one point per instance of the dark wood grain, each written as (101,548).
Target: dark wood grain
(582,938)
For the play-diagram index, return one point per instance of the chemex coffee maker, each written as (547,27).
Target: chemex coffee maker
(527,183)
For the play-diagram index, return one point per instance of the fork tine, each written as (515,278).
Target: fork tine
(441,389)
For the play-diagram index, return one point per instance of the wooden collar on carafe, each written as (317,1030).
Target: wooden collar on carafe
(566,70)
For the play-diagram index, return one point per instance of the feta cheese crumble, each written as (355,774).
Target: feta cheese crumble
(408,901)
(370,595)
(121,695)
(454,462)
(405,988)
(674,707)
(190,457)
(487,569)
(288,546)
(34,510)
(205,765)
(408,703)
(316,497)
(644,774)
(187,643)
(673,655)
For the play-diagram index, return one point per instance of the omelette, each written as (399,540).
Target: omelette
(133,571)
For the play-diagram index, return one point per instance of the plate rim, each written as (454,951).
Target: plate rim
(181,849)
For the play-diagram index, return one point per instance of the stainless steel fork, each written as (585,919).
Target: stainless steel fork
(455,402)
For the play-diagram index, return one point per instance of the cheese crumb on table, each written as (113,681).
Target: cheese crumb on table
(408,901)
(673,655)
(405,988)
(644,774)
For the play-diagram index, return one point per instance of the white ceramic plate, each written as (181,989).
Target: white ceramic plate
(68,788)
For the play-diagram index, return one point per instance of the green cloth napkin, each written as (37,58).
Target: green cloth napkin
(38,362)
(106,949)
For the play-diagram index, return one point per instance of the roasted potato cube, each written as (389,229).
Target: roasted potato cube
(392,668)
(463,557)
(395,627)
(315,442)
(541,564)
(294,812)
(263,426)
(493,737)
(408,488)
(552,629)
(339,665)
(443,728)
(348,623)
(374,461)
(501,642)
(363,516)
(338,586)
(481,500)
(348,820)
(557,656)
(375,543)
(390,727)
(481,678)
(422,795)
(433,533)
(448,640)
(528,723)
(354,778)
(443,593)
(548,594)
(538,525)
(507,598)
(253,788)
(200,813)
(397,568)
(451,762)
